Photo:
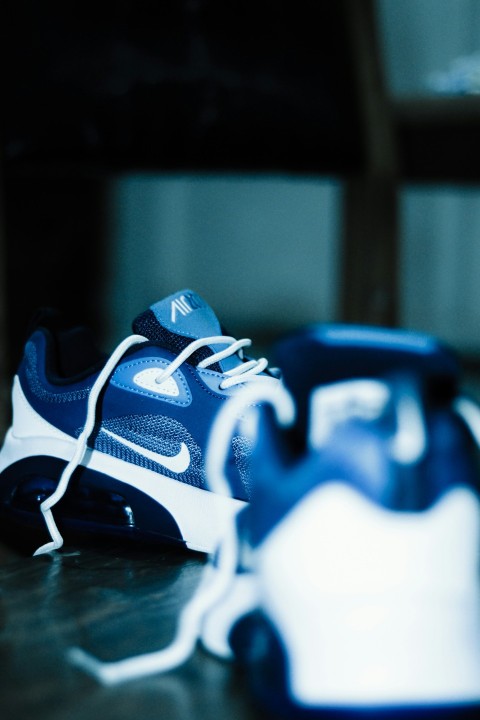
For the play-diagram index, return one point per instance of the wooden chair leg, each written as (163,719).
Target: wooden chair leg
(370,243)
(369,293)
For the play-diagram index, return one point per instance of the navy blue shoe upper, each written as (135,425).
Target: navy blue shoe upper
(358,450)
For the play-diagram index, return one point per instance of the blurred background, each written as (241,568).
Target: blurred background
(292,163)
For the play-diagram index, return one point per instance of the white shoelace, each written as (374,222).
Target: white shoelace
(81,444)
(244,372)
(469,411)
(213,585)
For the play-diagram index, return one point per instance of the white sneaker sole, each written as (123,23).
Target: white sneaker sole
(374,607)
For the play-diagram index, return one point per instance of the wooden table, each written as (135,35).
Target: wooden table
(114,602)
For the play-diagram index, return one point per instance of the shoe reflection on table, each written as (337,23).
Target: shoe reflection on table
(117,602)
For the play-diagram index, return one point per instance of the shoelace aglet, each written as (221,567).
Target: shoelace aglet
(132,668)
(57,540)
(92,666)
(47,548)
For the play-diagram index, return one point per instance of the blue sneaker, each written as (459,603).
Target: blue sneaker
(126,435)
(363,536)
(349,585)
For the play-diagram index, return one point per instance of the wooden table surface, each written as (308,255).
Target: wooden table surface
(114,602)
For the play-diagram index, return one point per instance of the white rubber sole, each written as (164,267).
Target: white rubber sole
(376,608)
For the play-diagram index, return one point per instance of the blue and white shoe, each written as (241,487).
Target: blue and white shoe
(126,434)
(349,585)
(363,536)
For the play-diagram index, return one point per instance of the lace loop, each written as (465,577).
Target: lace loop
(409,444)
(235,346)
(275,394)
(470,414)
(242,373)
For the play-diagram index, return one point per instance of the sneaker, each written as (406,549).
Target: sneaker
(126,434)
(365,555)
(350,583)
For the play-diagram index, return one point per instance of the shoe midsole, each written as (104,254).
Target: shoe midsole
(199,514)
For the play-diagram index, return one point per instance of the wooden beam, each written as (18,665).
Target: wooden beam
(369,248)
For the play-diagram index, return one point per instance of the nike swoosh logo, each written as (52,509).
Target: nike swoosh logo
(176,463)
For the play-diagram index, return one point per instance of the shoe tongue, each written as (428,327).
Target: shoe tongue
(185,313)
(177,320)
(336,403)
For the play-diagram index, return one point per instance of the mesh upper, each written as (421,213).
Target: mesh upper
(146,324)
(157,433)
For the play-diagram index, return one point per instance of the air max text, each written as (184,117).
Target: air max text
(184,305)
